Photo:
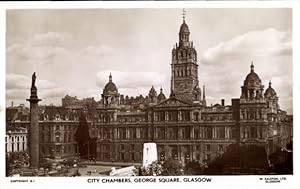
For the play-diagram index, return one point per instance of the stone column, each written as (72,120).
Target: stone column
(34,126)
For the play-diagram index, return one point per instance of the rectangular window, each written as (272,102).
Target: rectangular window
(209,133)
(122,156)
(196,133)
(65,137)
(253,132)
(134,133)
(123,133)
(131,133)
(187,116)
(131,147)
(260,133)
(174,133)
(187,133)
(42,137)
(208,147)
(221,132)
(221,150)
(138,132)
(161,133)
(132,156)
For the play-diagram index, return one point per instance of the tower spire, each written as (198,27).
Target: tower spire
(110,77)
(183,14)
(252,66)
(204,99)
(172,83)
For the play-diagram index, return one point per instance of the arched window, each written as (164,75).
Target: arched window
(175,154)
(57,137)
(196,114)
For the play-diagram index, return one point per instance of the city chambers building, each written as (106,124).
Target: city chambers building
(183,126)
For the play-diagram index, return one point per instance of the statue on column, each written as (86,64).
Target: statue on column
(33,80)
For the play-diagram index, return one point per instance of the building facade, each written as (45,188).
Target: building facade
(16,140)
(183,126)
(57,128)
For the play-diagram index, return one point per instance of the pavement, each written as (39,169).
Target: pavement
(95,170)
(101,168)
(111,164)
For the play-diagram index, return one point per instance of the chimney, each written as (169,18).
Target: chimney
(223,102)
(12,103)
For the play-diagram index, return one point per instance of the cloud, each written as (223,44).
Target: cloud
(99,51)
(259,43)
(51,38)
(18,89)
(40,49)
(227,64)
(16,81)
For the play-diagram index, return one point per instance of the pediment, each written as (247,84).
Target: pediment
(173,102)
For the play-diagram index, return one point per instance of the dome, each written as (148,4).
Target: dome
(184,28)
(270,91)
(252,78)
(161,95)
(110,86)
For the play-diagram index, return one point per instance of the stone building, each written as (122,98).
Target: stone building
(57,127)
(16,140)
(183,126)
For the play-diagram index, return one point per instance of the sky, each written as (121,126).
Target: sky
(73,51)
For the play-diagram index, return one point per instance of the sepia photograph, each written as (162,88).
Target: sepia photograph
(149,92)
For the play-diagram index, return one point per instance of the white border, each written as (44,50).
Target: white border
(218,181)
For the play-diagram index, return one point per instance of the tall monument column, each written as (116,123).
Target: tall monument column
(34,126)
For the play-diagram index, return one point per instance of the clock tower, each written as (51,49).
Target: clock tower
(184,67)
